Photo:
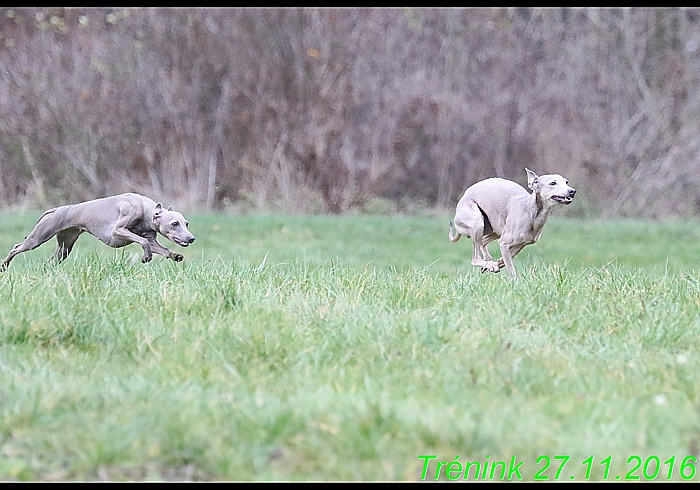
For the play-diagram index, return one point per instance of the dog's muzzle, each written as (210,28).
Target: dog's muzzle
(183,243)
(567,199)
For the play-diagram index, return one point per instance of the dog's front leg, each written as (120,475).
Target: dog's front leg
(164,251)
(126,234)
(515,250)
(507,256)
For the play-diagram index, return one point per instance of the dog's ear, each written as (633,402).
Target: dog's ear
(157,211)
(531,178)
(170,208)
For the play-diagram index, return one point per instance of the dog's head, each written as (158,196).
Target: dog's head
(552,187)
(172,225)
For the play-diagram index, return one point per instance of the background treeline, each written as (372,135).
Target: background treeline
(329,110)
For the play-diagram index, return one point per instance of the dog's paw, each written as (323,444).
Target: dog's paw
(491,267)
(177,257)
(146,258)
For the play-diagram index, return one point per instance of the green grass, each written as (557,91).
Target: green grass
(343,348)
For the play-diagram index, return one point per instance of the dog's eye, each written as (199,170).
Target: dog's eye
(554,182)
(187,223)
(175,223)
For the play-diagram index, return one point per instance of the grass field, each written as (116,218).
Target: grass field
(353,348)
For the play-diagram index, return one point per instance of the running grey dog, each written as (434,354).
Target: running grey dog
(501,209)
(116,221)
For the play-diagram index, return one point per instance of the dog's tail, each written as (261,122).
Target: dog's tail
(451,235)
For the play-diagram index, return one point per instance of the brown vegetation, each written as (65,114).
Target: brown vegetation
(312,110)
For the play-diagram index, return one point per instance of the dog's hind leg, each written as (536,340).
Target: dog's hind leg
(66,239)
(470,221)
(42,232)
(17,249)
(482,258)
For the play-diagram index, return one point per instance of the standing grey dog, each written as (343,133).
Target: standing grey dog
(501,209)
(116,221)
